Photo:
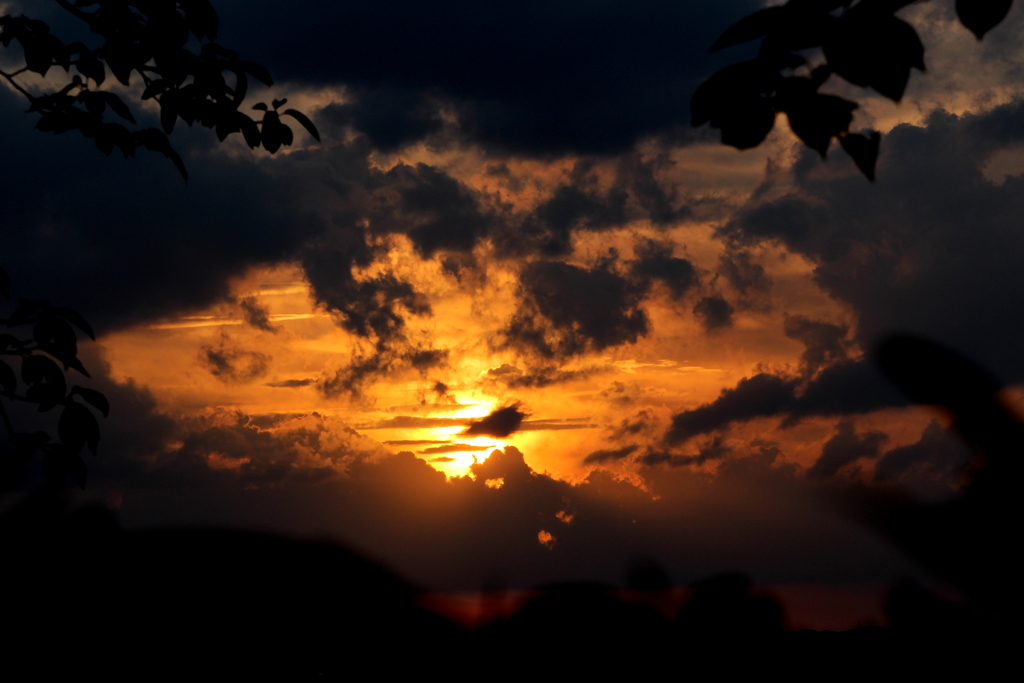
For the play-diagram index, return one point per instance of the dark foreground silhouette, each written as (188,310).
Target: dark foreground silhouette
(82,596)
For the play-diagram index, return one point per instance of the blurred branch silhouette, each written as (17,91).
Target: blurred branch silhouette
(171,45)
(972,540)
(805,42)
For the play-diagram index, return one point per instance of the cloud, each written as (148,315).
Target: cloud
(643,422)
(824,343)
(569,77)
(716,449)
(292,383)
(747,276)
(256,315)
(540,377)
(455,448)
(603,456)
(931,467)
(932,248)
(763,395)
(655,261)
(848,388)
(844,448)
(232,364)
(388,357)
(568,310)
(499,423)
(714,312)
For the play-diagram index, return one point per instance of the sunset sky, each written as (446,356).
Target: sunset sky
(510,215)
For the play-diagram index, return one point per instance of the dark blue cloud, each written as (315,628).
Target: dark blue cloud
(535,77)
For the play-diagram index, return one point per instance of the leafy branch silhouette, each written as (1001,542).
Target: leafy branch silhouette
(154,39)
(53,340)
(862,42)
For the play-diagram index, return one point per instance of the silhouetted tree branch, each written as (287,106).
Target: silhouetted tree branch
(803,43)
(171,46)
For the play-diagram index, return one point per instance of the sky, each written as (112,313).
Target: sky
(513,320)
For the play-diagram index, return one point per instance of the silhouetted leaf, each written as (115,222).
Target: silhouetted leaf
(801,31)
(8,380)
(876,52)
(91,67)
(726,89)
(250,131)
(258,72)
(981,16)
(260,106)
(78,426)
(751,27)
(155,140)
(73,318)
(118,105)
(93,398)
(26,309)
(304,121)
(813,117)
(864,151)
(178,163)
(748,126)
(154,88)
(280,103)
(56,337)
(45,379)
(272,134)
(168,111)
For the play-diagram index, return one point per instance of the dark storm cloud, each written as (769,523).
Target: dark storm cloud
(292,383)
(851,387)
(391,354)
(539,377)
(763,395)
(714,313)
(655,262)
(747,276)
(716,449)
(844,448)
(436,211)
(498,420)
(824,343)
(932,248)
(556,425)
(499,423)
(232,364)
(256,315)
(125,241)
(603,456)
(931,467)
(568,309)
(643,421)
(589,202)
(566,76)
